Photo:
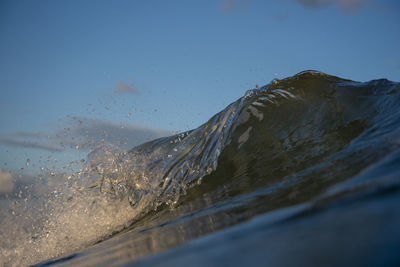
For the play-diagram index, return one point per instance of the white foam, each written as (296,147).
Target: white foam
(58,215)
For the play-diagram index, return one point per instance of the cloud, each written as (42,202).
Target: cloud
(81,132)
(29,134)
(350,6)
(122,87)
(6,182)
(91,130)
(9,141)
(277,16)
(314,3)
(230,5)
(30,140)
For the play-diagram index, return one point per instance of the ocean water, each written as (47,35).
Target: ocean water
(304,171)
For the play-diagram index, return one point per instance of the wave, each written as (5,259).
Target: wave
(300,135)
(281,129)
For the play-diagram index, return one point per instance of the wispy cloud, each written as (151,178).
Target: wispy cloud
(29,134)
(121,87)
(81,132)
(91,130)
(277,16)
(349,6)
(230,5)
(12,141)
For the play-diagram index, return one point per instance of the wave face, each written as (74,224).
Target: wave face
(303,139)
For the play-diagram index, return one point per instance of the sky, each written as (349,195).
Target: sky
(74,72)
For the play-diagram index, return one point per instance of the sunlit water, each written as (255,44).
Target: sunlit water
(307,166)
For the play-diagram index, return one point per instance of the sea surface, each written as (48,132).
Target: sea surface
(304,171)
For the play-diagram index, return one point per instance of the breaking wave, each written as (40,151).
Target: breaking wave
(300,136)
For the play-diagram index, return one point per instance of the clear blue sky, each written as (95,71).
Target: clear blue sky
(171,65)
